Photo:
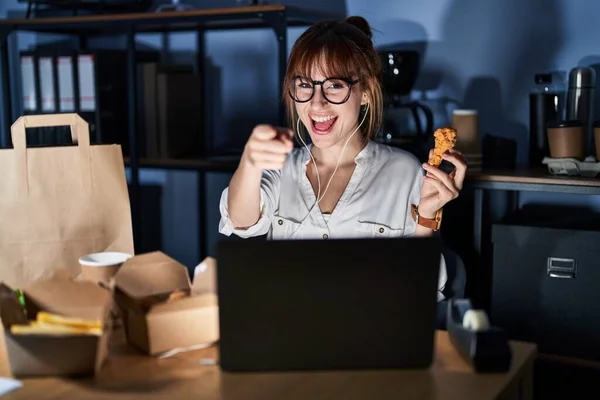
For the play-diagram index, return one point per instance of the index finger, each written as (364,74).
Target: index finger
(460,167)
(285,133)
(457,154)
(285,136)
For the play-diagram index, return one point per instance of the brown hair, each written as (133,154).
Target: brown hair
(346,50)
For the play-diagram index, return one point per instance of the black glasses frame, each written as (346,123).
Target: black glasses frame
(321,83)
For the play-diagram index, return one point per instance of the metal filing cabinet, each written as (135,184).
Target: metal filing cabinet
(546,281)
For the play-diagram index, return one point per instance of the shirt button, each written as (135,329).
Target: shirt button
(280,222)
(325,236)
(381,230)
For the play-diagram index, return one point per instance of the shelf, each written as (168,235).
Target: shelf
(211,164)
(277,18)
(171,21)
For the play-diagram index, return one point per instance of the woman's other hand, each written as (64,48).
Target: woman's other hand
(440,187)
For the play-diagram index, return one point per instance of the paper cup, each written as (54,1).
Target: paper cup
(466,123)
(101,267)
(566,139)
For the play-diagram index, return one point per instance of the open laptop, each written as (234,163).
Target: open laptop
(327,304)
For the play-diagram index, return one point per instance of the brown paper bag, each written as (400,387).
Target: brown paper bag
(59,203)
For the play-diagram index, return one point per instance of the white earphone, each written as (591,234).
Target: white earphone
(320,197)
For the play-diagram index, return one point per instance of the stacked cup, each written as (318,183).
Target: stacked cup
(468,140)
(101,268)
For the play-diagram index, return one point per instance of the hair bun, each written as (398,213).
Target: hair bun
(361,24)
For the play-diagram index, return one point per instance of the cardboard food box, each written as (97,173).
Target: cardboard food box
(56,354)
(161,309)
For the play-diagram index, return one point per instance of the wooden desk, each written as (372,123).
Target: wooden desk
(129,374)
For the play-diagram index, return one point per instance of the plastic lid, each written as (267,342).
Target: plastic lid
(104,259)
(582,77)
(564,124)
(464,112)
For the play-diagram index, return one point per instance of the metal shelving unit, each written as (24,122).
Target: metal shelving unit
(276,17)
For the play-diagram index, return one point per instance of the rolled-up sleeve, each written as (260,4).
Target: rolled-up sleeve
(269,198)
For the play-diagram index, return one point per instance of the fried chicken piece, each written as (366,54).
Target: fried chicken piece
(445,139)
(148,302)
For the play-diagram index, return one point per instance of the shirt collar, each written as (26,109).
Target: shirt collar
(363,156)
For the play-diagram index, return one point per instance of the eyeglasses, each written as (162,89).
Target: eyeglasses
(334,90)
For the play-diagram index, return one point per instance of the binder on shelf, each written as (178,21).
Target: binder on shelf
(87,94)
(48,136)
(92,83)
(28,88)
(40,93)
(87,82)
(46,68)
(111,97)
(179,122)
(66,84)
(170,98)
(37,93)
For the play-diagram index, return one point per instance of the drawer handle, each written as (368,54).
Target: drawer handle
(563,275)
(563,268)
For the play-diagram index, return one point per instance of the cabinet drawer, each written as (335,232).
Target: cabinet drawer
(546,288)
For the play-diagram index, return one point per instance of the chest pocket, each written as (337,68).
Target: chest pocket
(374,229)
(285,228)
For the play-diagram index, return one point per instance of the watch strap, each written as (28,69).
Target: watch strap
(430,223)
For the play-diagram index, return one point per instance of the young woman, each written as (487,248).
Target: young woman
(343,184)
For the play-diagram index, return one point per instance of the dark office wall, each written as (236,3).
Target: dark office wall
(480,54)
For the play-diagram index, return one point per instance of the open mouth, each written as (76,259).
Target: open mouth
(322,125)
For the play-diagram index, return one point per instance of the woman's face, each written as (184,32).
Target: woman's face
(327,123)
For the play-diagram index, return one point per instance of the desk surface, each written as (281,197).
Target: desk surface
(130,375)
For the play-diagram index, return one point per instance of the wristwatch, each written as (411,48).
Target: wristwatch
(433,224)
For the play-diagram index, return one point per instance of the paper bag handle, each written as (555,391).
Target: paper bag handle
(80,134)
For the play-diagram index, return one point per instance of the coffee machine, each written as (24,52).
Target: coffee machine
(403,125)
